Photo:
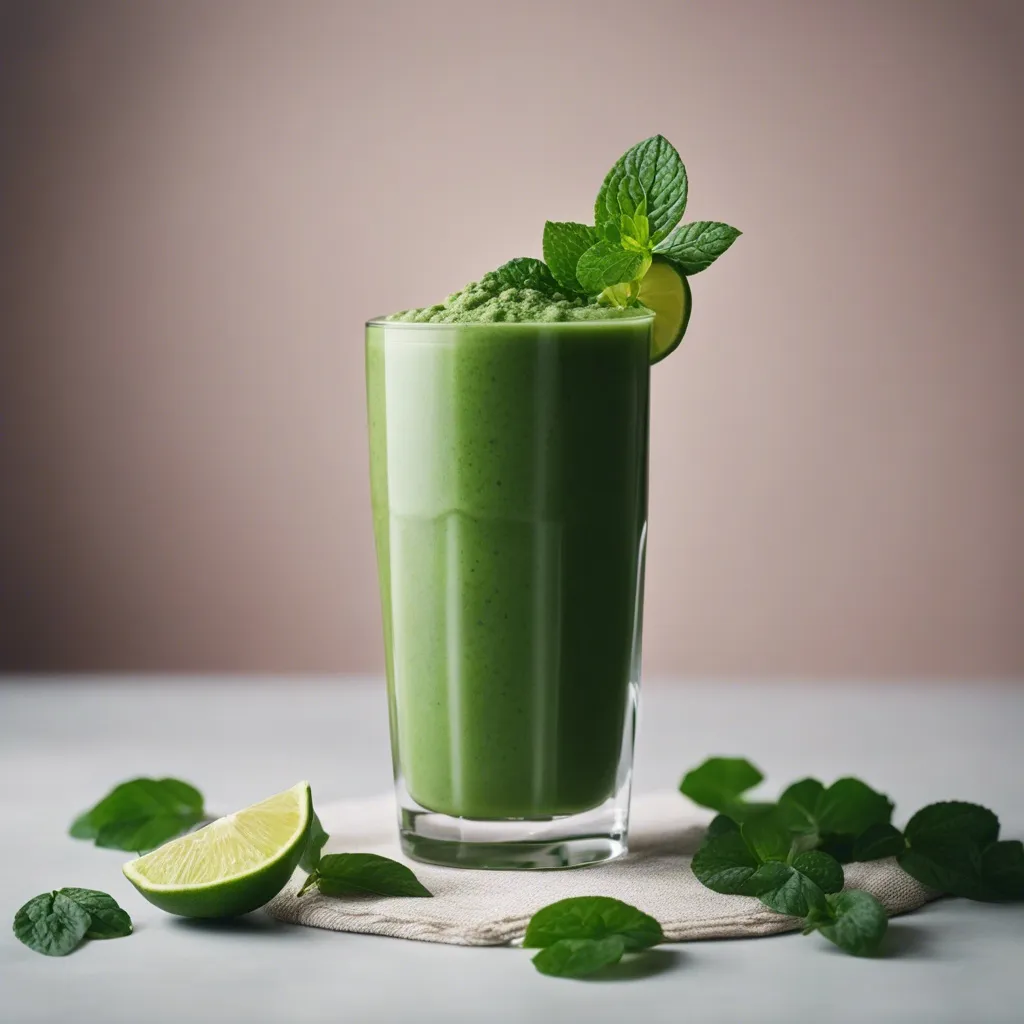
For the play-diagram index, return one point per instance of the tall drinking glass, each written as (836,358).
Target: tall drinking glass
(509,482)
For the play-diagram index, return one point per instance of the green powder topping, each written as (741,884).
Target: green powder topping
(490,300)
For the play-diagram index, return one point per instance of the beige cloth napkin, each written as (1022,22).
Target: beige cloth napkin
(489,908)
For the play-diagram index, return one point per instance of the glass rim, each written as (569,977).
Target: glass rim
(383,321)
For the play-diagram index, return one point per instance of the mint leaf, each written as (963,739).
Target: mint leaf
(785,890)
(694,247)
(140,814)
(850,806)
(725,864)
(720,782)
(796,888)
(766,837)
(799,804)
(825,871)
(953,819)
(950,864)
(107,919)
(576,958)
(877,842)
(946,849)
(857,922)
(314,844)
(360,874)
(1002,865)
(526,272)
(143,834)
(652,173)
(51,924)
(564,243)
(832,818)
(592,917)
(607,263)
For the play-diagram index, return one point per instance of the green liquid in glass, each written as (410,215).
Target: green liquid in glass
(509,482)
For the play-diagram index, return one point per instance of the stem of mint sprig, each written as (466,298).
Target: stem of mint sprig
(789,853)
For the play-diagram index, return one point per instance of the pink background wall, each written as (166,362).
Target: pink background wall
(201,202)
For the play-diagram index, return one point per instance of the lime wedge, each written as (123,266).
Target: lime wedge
(666,292)
(233,865)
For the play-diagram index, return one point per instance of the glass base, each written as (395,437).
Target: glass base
(570,841)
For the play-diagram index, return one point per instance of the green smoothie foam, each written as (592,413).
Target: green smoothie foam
(490,300)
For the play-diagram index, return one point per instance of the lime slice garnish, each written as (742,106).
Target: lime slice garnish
(666,292)
(233,865)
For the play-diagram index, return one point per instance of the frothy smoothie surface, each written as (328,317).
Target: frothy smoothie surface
(490,300)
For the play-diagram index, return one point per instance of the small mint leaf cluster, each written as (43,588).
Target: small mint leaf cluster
(585,934)
(789,853)
(55,923)
(638,207)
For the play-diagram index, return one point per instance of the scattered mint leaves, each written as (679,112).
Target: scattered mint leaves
(314,844)
(694,247)
(853,920)
(55,923)
(526,272)
(576,958)
(608,263)
(140,814)
(564,244)
(592,917)
(788,854)
(363,874)
(651,173)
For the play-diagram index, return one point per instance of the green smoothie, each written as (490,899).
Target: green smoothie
(508,444)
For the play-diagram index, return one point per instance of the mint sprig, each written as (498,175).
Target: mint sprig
(140,814)
(583,934)
(636,212)
(853,920)
(788,854)
(55,923)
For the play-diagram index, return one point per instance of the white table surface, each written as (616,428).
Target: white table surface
(63,743)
